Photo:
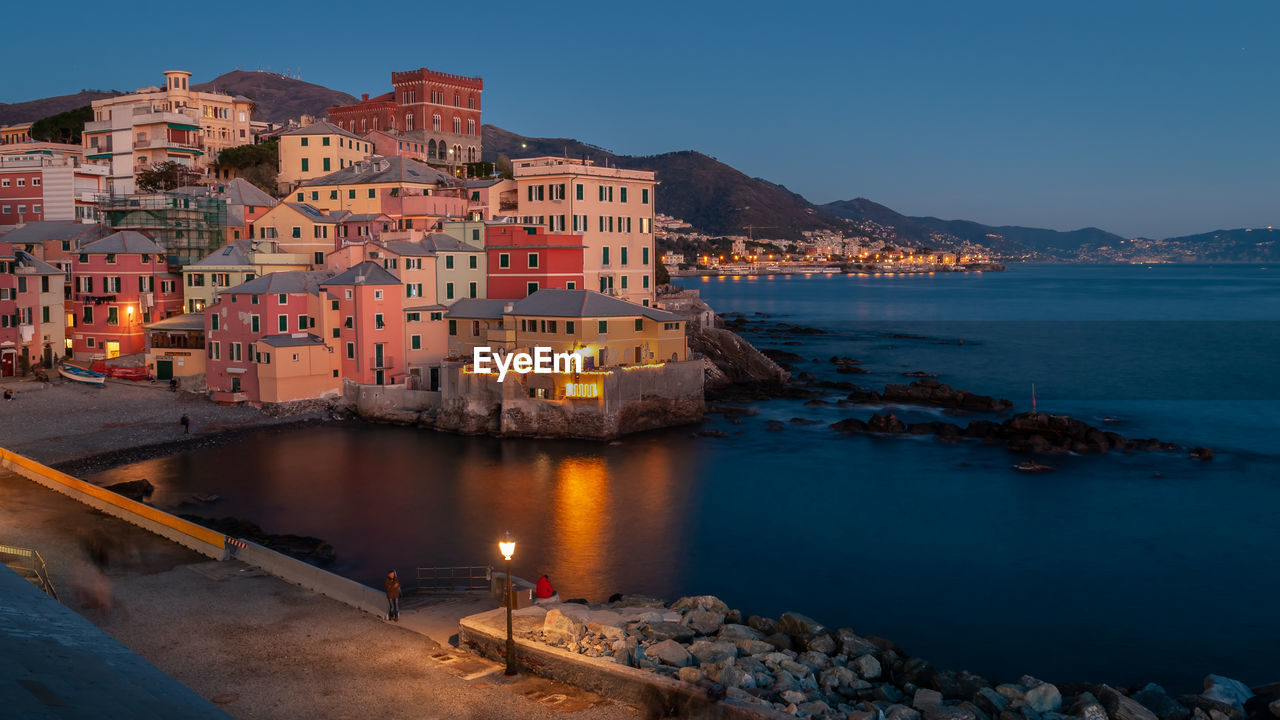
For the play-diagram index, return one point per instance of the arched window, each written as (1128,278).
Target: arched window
(363,122)
(456,102)
(431,149)
(444,150)
(435,123)
(457,126)
(408,121)
(471,127)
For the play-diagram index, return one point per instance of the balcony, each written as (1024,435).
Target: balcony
(383,363)
(505,205)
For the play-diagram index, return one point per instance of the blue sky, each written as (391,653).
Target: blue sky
(1143,118)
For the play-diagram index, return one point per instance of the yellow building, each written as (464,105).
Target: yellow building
(169,124)
(175,347)
(396,186)
(236,263)
(14,134)
(317,150)
(300,228)
(605,331)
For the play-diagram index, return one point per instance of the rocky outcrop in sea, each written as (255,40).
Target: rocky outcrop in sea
(796,665)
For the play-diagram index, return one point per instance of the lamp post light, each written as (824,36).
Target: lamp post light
(507,546)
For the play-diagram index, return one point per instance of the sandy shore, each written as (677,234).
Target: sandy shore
(61,421)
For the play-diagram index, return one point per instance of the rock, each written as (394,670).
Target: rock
(1154,698)
(729,675)
(1120,707)
(833,677)
(1226,690)
(919,672)
(793,697)
(991,702)
(1274,707)
(661,630)
(1087,707)
(133,489)
(753,647)
(853,645)
(670,653)
(900,712)
(949,712)
(866,666)
(815,661)
(700,602)
(733,632)
(639,601)
(962,685)
(925,698)
(886,423)
(613,632)
(708,652)
(781,641)
(821,642)
(1014,694)
(814,709)
(795,668)
(1211,706)
(562,627)
(703,622)
(795,624)
(765,626)
(1043,698)
(690,675)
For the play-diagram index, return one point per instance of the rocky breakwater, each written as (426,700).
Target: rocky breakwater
(931,392)
(795,665)
(1033,432)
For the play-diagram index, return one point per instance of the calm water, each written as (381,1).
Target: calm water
(1118,568)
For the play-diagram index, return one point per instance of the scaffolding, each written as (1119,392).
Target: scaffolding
(187,226)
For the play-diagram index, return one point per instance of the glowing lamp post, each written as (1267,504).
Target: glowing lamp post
(507,546)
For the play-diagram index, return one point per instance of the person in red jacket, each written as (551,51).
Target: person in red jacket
(393,596)
(544,593)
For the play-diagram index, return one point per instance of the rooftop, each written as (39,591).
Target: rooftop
(585,303)
(233,254)
(38,232)
(291,340)
(366,273)
(185,321)
(393,169)
(292,281)
(478,308)
(322,127)
(125,242)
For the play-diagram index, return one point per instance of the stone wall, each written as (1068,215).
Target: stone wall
(388,403)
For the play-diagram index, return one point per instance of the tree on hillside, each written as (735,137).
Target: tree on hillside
(660,275)
(166,176)
(258,164)
(65,127)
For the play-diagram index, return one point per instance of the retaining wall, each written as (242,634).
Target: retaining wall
(312,578)
(185,533)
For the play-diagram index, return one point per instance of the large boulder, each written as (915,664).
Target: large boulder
(1087,707)
(562,627)
(703,622)
(866,666)
(1043,698)
(853,645)
(1226,690)
(700,602)
(1121,707)
(734,632)
(669,652)
(666,631)
(886,423)
(1154,698)
(795,624)
(753,647)
(821,642)
(708,652)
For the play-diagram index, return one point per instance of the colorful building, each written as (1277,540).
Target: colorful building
(316,150)
(164,124)
(524,259)
(235,264)
(370,337)
(244,202)
(605,331)
(47,181)
(121,283)
(56,242)
(439,110)
(14,134)
(494,197)
(175,347)
(611,208)
(414,194)
(389,142)
(32,310)
(265,340)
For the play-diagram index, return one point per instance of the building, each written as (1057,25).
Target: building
(175,348)
(488,199)
(186,225)
(611,208)
(414,194)
(605,331)
(14,134)
(265,341)
(56,242)
(172,123)
(370,338)
(524,259)
(32,311)
(121,283)
(301,228)
(437,109)
(316,150)
(244,201)
(47,181)
(389,143)
(235,264)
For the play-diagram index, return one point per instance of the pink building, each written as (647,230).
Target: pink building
(265,340)
(487,199)
(120,283)
(387,143)
(371,332)
(32,315)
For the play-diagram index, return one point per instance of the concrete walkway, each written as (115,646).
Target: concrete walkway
(262,648)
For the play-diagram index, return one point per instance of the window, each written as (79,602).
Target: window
(283,299)
(324,141)
(297,231)
(644,196)
(351,351)
(471,262)
(603,326)
(35,209)
(448,291)
(475,328)
(214,320)
(448,262)
(644,256)
(315,194)
(254,322)
(504,260)
(604,255)
(623,252)
(571,285)
(622,194)
(644,281)
(533,260)
(283,322)
(624,282)
(113,315)
(471,290)
(644,225)
(304,141)
(437,316)
(317,258)
(378,322)
(334,194)
(235,354)
(265,358)
(569,327)
(415,342)
(453,327)
(306,166)
(373,193)
(215,350)
(351,194)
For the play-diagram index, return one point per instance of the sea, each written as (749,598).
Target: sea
(1118,568)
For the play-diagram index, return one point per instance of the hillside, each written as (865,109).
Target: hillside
(32,110)
(277,98)
(705,192)
(1057,243)
(862,210)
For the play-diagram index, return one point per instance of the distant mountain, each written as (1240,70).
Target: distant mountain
(32,110)
(277,98)
(1010,239)
(862,210)
(1240,245)
(701,190)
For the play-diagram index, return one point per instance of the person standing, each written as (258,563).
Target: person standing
(393,596)
(186,424)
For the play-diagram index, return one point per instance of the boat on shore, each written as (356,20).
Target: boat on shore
(79,374)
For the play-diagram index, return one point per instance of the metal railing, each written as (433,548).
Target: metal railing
(472,578)
(32,566)
(383,363)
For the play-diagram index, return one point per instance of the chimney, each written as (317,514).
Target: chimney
(364,97)
(508,307)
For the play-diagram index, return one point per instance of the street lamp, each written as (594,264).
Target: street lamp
(507,546)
